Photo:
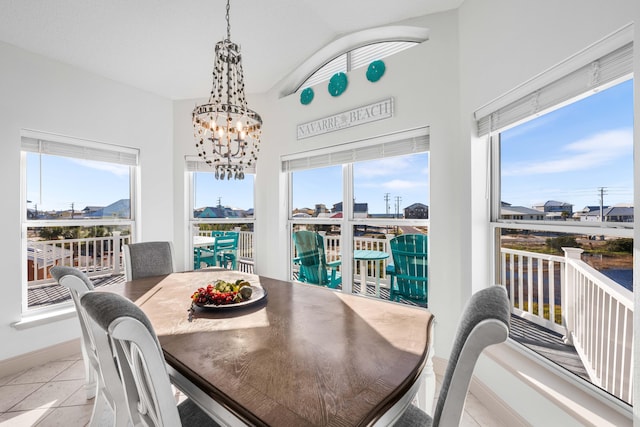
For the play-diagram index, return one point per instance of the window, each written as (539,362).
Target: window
(78,210)
(562,208)
(354,59)
(223,205)
(388,183)
(353,51)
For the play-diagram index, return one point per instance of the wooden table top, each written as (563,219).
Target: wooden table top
(305,355)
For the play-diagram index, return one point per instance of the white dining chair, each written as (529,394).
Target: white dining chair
(485,321)
(137,352)
(146,259)
(102,378)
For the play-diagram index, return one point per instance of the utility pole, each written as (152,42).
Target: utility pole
(386,202)
(398,200)
(602,193)
(219,202)
(72,204)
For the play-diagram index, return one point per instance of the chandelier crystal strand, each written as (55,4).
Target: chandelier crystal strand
(227,132)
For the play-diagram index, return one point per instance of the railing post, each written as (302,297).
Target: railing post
(568,292)
(116,251)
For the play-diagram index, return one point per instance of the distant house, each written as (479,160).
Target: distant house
(119,209)
(417,211)
(617,213)
(88,210)
(555,210)
(360,210)
(215,212)
(580,215)
(507,211)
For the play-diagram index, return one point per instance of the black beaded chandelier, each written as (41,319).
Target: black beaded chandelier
(227,132)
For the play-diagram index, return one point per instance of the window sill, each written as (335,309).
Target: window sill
(582,401)
(31,320)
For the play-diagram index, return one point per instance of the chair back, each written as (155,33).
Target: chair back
(485,321)
(139,358)
(148,259)
(102,375)
(411,266)
(311,257)
(226,242)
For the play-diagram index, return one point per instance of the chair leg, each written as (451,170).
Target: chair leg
(89,372)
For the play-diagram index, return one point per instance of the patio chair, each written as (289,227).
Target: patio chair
(484,322)
(225,250)
(136,352)
(409,269)
(312,260)
(102,379)
(148,259)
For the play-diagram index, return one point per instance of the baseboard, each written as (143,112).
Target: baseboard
(39,357)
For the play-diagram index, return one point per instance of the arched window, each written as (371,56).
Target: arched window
(351,52)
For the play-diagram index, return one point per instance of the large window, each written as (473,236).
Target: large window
(78,210)
(562,209)
(222,205)
(387,184)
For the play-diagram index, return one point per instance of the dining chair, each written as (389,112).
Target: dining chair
(225,250)
(102,378)
(408,272)
(485,321)
(147,259)
(137,353)
(312,260)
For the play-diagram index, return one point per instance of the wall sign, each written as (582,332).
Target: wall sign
(358,116)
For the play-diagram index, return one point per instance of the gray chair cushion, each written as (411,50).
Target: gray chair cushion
(192,415)
(58,272)
(105,307)
(150,259)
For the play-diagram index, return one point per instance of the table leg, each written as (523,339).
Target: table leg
(363,276)
(377,273)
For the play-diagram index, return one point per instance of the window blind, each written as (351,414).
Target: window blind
(88,150)
(408,142)
(574,79)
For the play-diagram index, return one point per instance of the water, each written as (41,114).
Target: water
(622,276)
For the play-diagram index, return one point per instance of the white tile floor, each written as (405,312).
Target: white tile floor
(54,395)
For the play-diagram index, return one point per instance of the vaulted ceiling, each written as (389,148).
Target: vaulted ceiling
(166,46)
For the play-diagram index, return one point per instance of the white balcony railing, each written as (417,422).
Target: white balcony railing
(593,312)
(95,256)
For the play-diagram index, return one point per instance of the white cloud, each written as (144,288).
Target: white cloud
(594,151)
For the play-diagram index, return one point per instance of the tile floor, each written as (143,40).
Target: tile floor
(54,395)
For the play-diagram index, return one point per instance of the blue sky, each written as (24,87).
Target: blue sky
(570,153)
(81,182)
(566,155)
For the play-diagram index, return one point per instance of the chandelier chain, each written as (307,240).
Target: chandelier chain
(228,22)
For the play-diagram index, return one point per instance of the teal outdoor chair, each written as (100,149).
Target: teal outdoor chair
(312,260)
(225,250)
(409,278)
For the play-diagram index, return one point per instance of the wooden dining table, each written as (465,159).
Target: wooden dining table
(302,355)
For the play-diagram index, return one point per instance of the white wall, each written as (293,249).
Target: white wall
(47,96)
(503,43)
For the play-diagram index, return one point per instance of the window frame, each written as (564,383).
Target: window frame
(192,165)
(490,128)
(88,147)
(348,221)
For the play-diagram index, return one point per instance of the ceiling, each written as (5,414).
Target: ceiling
(166,46)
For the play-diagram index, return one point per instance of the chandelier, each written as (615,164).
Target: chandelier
(227,133)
